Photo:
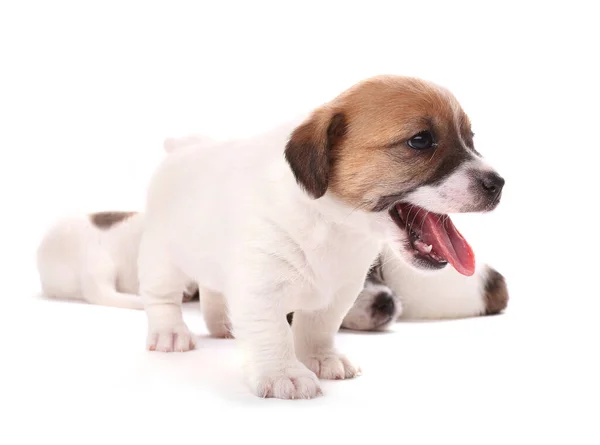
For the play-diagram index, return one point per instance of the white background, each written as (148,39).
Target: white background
(88,92)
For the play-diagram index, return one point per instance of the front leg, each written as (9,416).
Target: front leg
(160,288)
(314,334)
(264,337)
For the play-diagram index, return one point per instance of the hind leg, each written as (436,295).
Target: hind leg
(161,284)
(214,311)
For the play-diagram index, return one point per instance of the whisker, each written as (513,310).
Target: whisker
(394,268)
(433,154)
(416,215)
(423,221)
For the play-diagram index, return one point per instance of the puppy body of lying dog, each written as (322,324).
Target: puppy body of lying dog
(94,258)
(291,221)
(395,290)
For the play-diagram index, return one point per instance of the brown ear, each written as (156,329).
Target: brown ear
(309,150)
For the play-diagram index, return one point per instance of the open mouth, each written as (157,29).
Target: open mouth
(433,238)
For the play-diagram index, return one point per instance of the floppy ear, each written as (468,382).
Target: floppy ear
(309,150)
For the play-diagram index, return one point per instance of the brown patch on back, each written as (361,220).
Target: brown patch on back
(496,293)
(105,220)
(356,144)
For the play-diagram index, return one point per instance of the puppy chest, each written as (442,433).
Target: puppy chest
(341,260)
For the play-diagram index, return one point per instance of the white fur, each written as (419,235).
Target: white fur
(231,217)
(78,260)
(459,192)
(439,294)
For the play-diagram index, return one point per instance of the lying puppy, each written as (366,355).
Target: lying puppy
(292,220)
(94,258)
(394,290)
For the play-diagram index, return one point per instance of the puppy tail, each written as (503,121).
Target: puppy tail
(172,144)
(116,299)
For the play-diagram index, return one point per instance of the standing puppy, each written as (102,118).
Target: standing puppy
(291,221)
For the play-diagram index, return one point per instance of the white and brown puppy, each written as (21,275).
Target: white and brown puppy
(443,294)
(291,221)
(94,258)
(394,290)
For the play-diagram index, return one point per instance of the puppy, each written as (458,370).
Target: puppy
(292,220)
(94,258)
(443,294)
(394,290)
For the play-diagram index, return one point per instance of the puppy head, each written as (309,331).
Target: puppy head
(401,149)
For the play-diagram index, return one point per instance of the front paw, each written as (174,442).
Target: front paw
(331,366)
(293,381)
(176,338)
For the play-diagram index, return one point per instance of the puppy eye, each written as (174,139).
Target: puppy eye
(422,141)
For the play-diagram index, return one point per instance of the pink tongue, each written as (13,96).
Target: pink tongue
(446,240)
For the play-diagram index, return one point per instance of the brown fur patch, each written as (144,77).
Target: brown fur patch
(308,151)
(191,297)
(496,293)
(367,158)
(105,220)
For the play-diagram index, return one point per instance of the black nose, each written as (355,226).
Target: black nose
(492,183)
(384,304)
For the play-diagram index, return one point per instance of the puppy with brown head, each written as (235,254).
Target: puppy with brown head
(292,220)
(403,147)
